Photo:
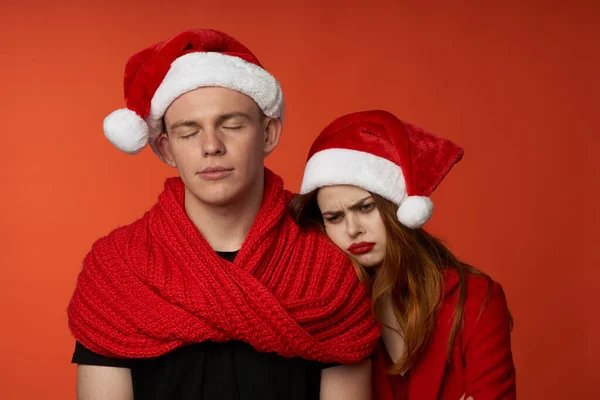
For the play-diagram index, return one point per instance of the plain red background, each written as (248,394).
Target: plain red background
(516,85)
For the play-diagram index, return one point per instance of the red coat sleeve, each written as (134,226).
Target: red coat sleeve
(489,368)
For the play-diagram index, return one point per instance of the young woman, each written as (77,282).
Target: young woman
(445,325)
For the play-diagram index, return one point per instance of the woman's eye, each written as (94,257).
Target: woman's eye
(233,128)
(333,219)
(367,207)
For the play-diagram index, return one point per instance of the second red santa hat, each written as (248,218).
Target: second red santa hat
(378,152)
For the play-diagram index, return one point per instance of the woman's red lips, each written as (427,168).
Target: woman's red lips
(361,247)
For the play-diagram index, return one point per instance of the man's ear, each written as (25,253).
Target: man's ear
(164,147)
(273,130)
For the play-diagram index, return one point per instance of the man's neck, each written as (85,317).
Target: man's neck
(225,227)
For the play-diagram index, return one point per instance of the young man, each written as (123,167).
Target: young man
(215,293)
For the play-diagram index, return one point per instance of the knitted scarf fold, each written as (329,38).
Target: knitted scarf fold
(155,285)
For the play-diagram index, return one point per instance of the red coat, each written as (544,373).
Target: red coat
(482,359)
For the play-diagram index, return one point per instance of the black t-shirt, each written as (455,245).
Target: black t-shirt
(210,370)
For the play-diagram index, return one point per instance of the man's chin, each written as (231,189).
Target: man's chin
(217,201)
(223,194)
(220,198)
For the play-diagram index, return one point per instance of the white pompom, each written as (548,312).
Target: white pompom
(415,211)
(126,130)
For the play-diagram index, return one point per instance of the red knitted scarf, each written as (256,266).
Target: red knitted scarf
(155,285)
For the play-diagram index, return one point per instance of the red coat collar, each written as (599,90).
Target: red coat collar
(451,281)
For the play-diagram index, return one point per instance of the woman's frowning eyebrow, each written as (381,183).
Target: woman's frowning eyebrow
(353,207)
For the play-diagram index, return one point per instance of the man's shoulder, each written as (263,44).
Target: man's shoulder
(324,250)
(317,241)
(120,235)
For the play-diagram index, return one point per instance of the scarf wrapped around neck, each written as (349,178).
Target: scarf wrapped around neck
(156,285)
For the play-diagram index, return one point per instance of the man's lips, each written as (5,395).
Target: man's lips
(214,173)
(361,247)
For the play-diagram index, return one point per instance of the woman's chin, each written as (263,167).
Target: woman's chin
(367,260)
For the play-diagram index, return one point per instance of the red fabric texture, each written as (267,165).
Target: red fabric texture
(482,364)
(146,69)
(386,386)
(425,159)
(155,285)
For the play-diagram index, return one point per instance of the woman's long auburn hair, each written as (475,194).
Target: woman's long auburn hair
(412,273)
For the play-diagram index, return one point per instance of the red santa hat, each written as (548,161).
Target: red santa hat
(159,74)
(376,151)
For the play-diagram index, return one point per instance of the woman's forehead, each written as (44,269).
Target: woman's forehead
(340,195)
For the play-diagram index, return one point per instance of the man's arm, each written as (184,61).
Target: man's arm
(347,382)
(103,383)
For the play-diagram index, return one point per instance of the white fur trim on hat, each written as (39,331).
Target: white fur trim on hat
(374,174)
(126,130)
(415,211)
(202,69)
(351,167)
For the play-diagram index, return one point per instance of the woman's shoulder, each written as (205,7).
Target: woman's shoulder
(481,291)
(478,284)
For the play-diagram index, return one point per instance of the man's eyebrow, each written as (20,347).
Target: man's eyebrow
(184,123)
(354,206)
(236,114)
